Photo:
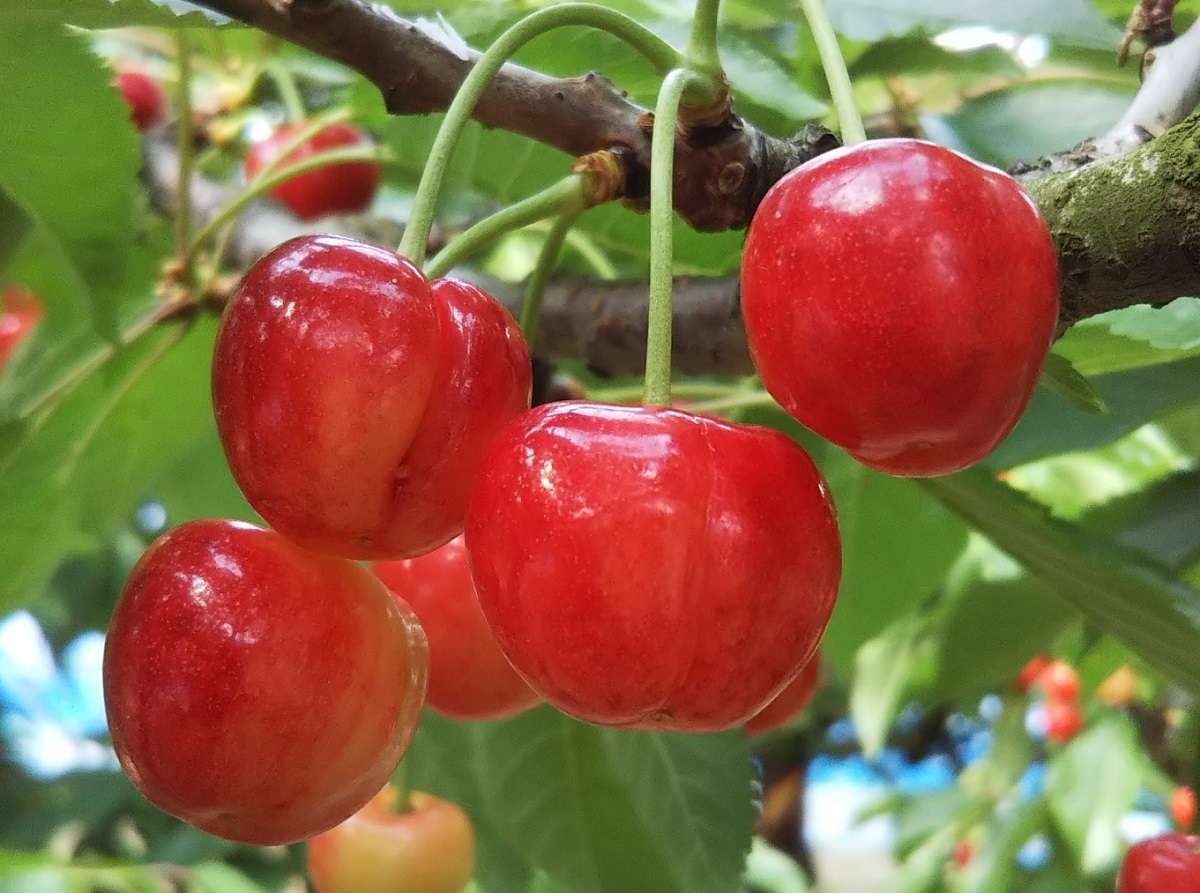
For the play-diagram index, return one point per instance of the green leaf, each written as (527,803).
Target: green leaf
(103,14)
(1066,381)
(884,672)
(770,869)
(1090,785)
(1122,592)
(217,877)
(916,54)
(69,155)
(1134,337)
(992,868)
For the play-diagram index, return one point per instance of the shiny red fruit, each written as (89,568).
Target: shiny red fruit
(145,98)
(1063,721)
(1183,808)
(648,568)
(345,188)
(899,300)
(1032,671)
(20,311)
(258,691)
(790,701)
(427,848)
(355,401)
(1059,681)
(469,677)
(1167,864)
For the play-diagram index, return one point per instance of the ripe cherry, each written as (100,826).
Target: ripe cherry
(1059,681)
(1183,808)
(1063,721)
(145,98)
(900,300)
(964,851)
(648,568)
(355,401)
(20,311)
(1167,864)
(1032,671)
(469,677)
(345,188)
(790,701)
(427,848)
(258,691)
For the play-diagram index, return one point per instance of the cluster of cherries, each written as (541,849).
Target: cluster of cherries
(1059,683)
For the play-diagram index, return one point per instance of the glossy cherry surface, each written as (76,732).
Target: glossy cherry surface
(355,401)
(649,568)
(20,311)
(1167,864)
(427,848)
(345,188)
(790,701)
(1063,721)
(258,691)
(1059,681)
(469,677)
(899,300)
(145,98)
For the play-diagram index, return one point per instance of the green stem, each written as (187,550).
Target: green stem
(531,307)
(836,74)
(660,53)
(662,221)
(567,196)
(289,93)
(702,54)
(185,146)
(264,184)
(299,138)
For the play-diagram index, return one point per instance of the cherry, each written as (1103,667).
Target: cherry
(1059,681)
(1063,721)
(1183,808)
(1032,671)
(20,311)
(964,851)
(469,677)
(1167,864)
(355,401)
(428,848)
(145,98)
(648,568)
(345,188)
(258,691)
(790,701)
(899,300)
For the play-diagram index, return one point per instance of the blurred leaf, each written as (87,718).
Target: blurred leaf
(1090,786)
(14,226)
(917,54)
(1065,380)
(217,877)
(924,866)
(992,867)
(1134,337)
(770,869)
(884,672)
(104,14)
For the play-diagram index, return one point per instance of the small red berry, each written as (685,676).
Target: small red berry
(789,702)
(145,98)
(963,852)
(469,677)
(1167,864)
(1060,682)
(20,311)
(1063,721)
(1032,671)
(899,300)
(258,691)
(345,188)
(1183,808)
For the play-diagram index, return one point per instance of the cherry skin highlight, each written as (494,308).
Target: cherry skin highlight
(1167,864)
(789,702)
(258,691)
(647,568)
(355,401)
(345,188)
(20,312)
(427,848)
(469,677)
(145,98)
(900,300)
(1059,681)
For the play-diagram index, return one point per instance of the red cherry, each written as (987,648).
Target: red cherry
(469,677)
(429,848)
(260,692)
(346,188)
(1063,721)
(1032,671)
(1059,681)
(1167,864)
(20,311)
(648,568)
(1183,808)
(963,853)
(899,300)
(790,701)
(145,98)
(355,402)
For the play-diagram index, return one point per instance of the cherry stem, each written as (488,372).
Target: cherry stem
(531,307)
(402,785)
(836,73)
(703,55)
(662,222)
(567,196)
(185,148)
(661,54)
(289,93)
